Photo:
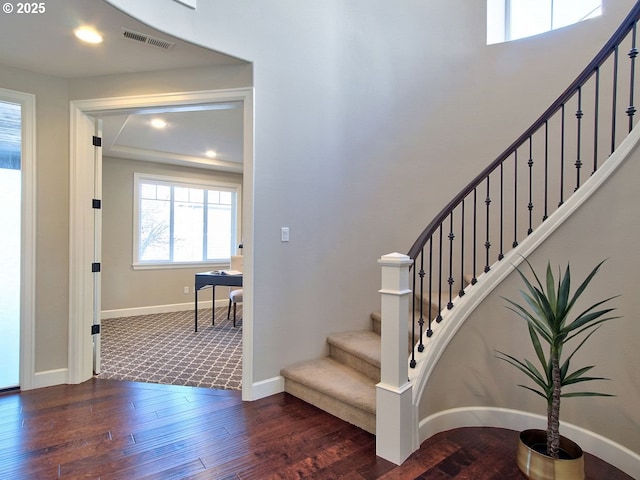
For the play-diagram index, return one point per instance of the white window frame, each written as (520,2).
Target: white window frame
(499,22)
(190,183)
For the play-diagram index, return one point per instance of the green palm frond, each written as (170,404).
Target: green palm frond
(527,368)
(546,311)
(586,394)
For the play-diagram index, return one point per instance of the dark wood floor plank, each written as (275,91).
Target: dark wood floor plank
(37,462)
(171,442)
(125,430)
(422,461)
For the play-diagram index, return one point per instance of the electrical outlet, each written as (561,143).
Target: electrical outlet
(186,290)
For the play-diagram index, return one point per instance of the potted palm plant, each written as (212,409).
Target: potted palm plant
(547,455)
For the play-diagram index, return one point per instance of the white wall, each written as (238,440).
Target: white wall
(369,116)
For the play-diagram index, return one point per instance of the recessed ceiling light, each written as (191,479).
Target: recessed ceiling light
(158,123)
(211,153)
(88,34)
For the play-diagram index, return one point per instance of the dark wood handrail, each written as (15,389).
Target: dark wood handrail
(619,35)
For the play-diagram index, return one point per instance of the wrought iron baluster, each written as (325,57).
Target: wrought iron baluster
(501,253)
(439,317)
(530,205)
(421,319)
(412,362)
(546,171)
(562,117)
(515,199)
(614,99)
(579,116)
(462,220)
(487,243)
(429,330)
(595,120)
(474,278)
(633,53)
(450,279)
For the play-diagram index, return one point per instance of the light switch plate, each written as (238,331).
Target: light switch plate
(284,234)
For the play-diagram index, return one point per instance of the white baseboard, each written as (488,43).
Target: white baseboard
(264,388)
(605,449)
(153,309)
(50,378)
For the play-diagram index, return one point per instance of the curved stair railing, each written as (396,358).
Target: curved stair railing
(532,178)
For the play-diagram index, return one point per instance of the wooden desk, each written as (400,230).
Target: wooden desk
(212,279)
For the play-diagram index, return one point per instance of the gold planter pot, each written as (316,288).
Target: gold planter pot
(537,466)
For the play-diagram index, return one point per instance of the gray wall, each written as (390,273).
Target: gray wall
(369,116)
(52,204)
(123,287)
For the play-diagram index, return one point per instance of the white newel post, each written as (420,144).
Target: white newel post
(394,411)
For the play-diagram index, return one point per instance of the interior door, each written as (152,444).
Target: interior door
(97,251)
(88,151)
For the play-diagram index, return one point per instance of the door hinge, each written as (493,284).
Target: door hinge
(97,141)
(95,329)
(96,203)
(95,267)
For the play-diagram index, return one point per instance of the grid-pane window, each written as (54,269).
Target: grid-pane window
(531,17)
(514,19)
(219,208)
(182,222)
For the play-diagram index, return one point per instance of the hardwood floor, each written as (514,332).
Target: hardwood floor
(115,430)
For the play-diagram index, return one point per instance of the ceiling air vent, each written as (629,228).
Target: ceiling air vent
(148,39)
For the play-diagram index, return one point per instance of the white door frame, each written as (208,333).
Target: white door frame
(81,302)
(27,102)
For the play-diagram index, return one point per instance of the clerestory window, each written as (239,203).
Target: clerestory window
(180,221)
(513,19)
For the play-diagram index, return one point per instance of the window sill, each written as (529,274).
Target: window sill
(176,265)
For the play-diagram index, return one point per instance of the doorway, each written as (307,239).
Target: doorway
(83,297)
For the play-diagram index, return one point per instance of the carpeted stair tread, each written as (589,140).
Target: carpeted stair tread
(363,344)
(336,380)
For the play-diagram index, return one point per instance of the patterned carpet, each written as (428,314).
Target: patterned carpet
(163,348)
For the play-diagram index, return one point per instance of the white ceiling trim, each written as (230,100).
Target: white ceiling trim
(147,155)
(172,100)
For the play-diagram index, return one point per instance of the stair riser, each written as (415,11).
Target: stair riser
(377,327)
(348,413)
(362,366)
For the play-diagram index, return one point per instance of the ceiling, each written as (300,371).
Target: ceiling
(44,43)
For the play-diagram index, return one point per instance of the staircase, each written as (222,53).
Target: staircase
(484,223)
(344,382)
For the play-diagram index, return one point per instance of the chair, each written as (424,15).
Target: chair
(235,294)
